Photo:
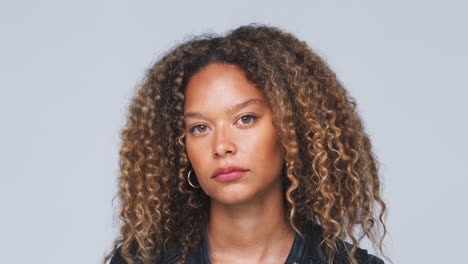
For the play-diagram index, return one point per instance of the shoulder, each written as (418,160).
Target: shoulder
(170,258)
(118,259)
(362,256)
(316,251)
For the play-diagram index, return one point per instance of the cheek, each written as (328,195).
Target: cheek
(266,148)
(269,140)
(193,153)
(197,155)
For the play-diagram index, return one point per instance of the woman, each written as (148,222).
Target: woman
(245,149)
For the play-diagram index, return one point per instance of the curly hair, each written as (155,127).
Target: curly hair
(332,178)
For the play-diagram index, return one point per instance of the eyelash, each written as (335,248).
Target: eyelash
(252,117)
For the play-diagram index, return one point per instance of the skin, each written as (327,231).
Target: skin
(247,221)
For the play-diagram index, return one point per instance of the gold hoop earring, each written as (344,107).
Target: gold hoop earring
(189,182)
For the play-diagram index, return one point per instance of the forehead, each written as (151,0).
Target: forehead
(218,86)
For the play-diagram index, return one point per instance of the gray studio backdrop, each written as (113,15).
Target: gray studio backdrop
(69,68)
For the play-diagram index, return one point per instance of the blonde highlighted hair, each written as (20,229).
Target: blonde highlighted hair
(332,176)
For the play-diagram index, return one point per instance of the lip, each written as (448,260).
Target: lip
(228,173)
(230,176)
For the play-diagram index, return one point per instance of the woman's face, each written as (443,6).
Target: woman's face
(228,123)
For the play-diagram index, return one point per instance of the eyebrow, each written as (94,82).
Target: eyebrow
(229,109)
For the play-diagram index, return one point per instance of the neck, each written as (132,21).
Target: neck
(257,228)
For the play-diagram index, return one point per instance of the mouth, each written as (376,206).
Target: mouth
(229,176)
(229,172)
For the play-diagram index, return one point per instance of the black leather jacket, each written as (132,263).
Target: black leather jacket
(306,250)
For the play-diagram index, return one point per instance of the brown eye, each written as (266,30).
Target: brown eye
(247,119)
(201,128)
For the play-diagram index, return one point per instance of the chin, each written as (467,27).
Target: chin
(243,192)
(231,196)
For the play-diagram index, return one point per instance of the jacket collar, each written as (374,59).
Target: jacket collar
(297,253)
(308,249)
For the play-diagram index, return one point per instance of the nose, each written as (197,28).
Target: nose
(223,142)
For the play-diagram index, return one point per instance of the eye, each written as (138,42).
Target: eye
(247,119)
(201,128)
